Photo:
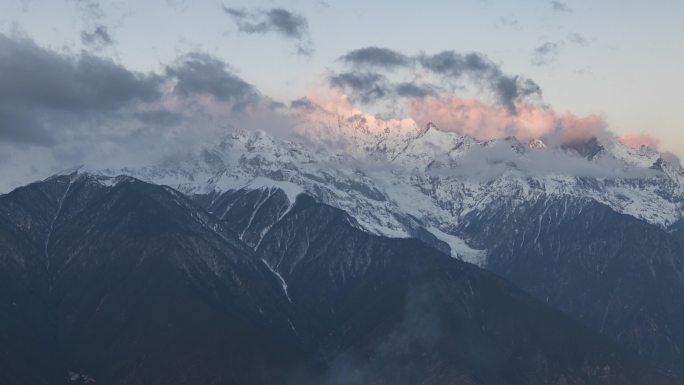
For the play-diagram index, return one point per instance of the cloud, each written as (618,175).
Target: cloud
(546,53)
(59,110)
(278,20)
(671,158)
(485,121)
(446,68)
(577,39)
(512,89)
(97,38)
(16,126)
(455,65)
(367,87)
(560,7)
(478,68)
(39,88)
(97,24)
(201,74)
(326,115)
(331,116)
(413,90)
(90,10)
(573,129)
(303,104)
(378,57)
(480,120)
(486,163)
(636,140)
(509,22)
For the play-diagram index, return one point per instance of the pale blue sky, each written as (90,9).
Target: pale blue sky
(627,66)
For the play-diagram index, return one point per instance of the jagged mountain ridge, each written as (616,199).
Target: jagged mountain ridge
(426,180)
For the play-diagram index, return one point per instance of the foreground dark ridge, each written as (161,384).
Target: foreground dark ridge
(139,285)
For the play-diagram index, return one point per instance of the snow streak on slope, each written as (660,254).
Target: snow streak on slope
(58,211)
(280,278)
(459,249)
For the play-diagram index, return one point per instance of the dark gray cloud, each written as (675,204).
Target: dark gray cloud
(303,104)
(455,65)
(561,7)
(59,110)
(452,68)
(510,89)
(202,74)
(477,68)
(17,126)
(51,99)
(288,24)
(378,57)
(97,38)
(413,90)
(96,33)
(276,105)
(546,53)
(32,76)
(159,116)
(367,87)
(39,87)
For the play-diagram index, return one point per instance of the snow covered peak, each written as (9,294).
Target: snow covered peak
(536,144)
(396,182)
(290,189)
(642,156)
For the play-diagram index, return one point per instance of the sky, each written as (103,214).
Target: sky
(118,83)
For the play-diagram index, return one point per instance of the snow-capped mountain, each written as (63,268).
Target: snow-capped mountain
(589,228)
(397,181)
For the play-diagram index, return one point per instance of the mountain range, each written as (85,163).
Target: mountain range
(353,254)
(593,217)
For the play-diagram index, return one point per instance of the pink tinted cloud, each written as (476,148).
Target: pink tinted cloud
(573,128)
(484,121)
(465,116)
(333,105)
(478,119)
(635,140)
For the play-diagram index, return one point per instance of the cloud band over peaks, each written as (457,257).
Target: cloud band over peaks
(375,74)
